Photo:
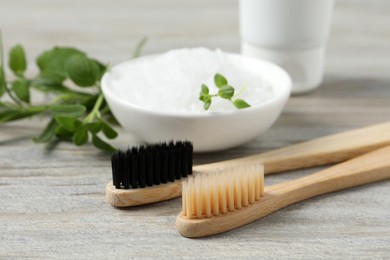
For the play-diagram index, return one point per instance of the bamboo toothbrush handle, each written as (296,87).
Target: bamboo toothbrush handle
(141,196)
(326,150)
(368,168)
(371,167)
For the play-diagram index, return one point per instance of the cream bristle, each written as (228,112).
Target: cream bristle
(257,187)
(214,196)
(207,199)
(198,196)
(244,189)
(237,194)
(184,197)
(221,191)
(230,191)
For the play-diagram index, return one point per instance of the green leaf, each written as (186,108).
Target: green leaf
(47,85)
(21,89)
(240,104)
(17,60)
(226,92)
(204,93)
(63,133)
(220,80)
(82,71)
(69,123)
(3,84)
(80,137)
(207,104)
(139,47)
(50,87)
(102,68)
(55,57)
(53,75)
(17,112)
(11,114)
(87,101)
(77,98)
(99,143)
(203,97)
(47,134)
(52,63)
(93,127)
(205,90)
(108,131)
(67,110)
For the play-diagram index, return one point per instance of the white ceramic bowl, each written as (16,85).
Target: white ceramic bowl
(208,132)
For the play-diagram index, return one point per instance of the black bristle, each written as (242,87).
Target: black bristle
(126,169)
(149,169)
(164,166)
(120,169)
(157,166)
(134,169)
(189,153)
(185,160)
(114,161)
(178,161)
(171,164)
(141,170)
(150,165)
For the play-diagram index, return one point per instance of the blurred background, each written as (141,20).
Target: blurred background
(109,30)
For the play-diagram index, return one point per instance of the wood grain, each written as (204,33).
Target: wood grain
(52,204)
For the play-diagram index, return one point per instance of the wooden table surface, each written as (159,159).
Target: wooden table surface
(52,204)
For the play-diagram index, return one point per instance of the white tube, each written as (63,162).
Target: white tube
(290,33)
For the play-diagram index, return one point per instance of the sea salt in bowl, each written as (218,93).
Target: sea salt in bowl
(156,97)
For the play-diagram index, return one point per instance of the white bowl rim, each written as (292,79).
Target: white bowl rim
(288,85)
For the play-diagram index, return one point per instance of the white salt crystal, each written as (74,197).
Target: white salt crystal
(171,82)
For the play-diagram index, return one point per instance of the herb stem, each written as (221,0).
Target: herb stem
(95,110)
(17,101)
(139,47)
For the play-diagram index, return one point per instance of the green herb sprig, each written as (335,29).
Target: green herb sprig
(225,91)
(77,109)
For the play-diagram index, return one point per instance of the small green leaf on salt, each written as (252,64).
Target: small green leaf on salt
(220,80)
(240,104)
(226,92)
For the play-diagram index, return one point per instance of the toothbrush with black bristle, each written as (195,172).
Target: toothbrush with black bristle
(154,173)
(149,173)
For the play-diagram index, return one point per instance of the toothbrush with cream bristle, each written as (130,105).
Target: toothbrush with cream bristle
(154,173)
(217,202)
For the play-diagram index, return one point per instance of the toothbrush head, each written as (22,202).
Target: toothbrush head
(150,165)
(222,191)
